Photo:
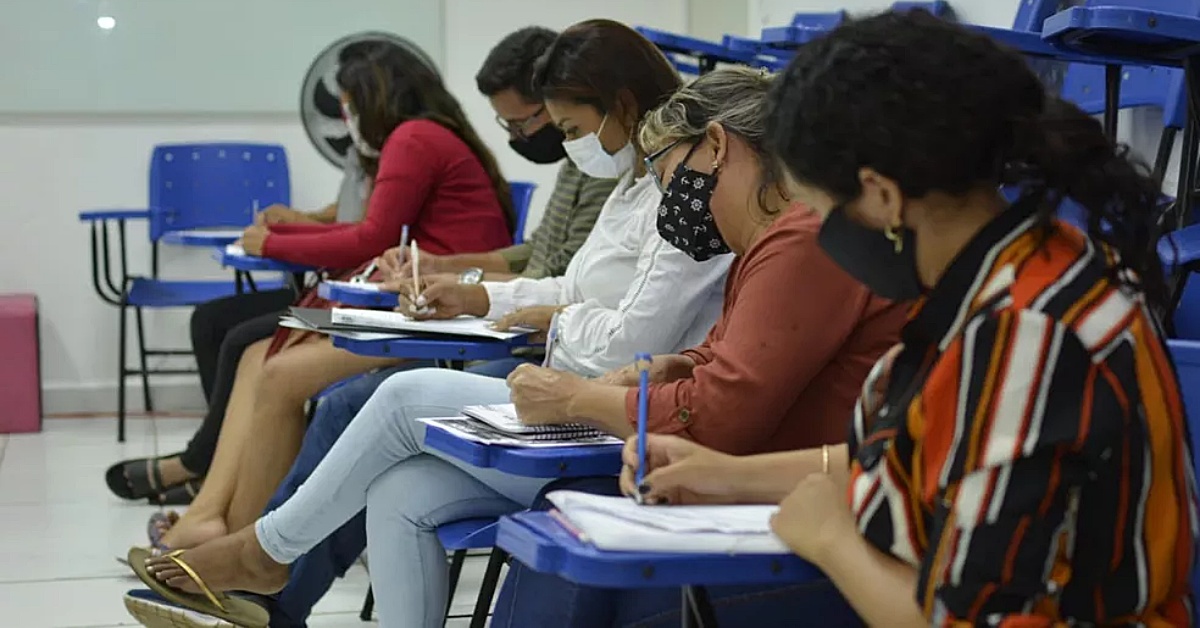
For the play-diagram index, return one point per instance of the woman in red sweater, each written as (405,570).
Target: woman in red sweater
(431,172)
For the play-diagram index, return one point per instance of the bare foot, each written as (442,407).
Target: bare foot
(230,563)
(193,529)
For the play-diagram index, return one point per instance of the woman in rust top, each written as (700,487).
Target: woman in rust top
(783,365)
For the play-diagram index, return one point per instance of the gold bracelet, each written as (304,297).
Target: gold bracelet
(825,459)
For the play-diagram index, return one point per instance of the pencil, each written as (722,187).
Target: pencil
(551,340)
(414,253)
(642,362)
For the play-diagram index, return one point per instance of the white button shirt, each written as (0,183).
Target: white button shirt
(627,290)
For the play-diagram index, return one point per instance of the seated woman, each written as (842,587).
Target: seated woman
(1006,460)
(409,493)
(221,330)
(432,173)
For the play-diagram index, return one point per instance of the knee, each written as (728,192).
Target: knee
(276,383)
(390,500)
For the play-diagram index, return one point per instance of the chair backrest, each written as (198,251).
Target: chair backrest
(823,21)
(214,185)
(522,194)
(1187,315)
(1186,356)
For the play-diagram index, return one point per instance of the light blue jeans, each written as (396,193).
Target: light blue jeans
(378,463)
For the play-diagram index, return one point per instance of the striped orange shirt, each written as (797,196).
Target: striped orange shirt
(1027,450)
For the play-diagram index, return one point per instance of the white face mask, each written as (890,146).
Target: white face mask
(355,135)
(588,154)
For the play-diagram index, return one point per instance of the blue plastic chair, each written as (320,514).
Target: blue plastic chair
(522,195)
(1186,356)
(459,537)
(191,186)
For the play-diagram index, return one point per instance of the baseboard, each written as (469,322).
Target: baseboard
(170,393)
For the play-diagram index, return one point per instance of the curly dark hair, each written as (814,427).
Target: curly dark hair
(510,64)
(937,107)
(389,86)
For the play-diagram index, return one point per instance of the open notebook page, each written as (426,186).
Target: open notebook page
(619,524)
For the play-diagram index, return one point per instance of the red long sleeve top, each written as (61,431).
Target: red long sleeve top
(429,180)
(782,367)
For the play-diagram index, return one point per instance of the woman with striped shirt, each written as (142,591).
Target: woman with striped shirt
(1022,458)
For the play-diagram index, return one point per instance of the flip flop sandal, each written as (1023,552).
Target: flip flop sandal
(135,479)
(237,611)
(152,611)
(178,495)
(152,528)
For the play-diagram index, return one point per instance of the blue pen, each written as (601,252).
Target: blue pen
(551,341)
(642,362)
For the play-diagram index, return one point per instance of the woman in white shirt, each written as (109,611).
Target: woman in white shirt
(626,291)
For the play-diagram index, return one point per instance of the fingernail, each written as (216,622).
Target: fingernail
(421,301)
(643,488)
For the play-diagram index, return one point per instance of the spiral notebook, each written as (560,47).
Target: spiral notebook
(477,431)
(504,418)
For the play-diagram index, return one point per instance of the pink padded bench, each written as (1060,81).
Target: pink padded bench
(20,375)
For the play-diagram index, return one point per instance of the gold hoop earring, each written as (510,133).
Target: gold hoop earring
(897,240)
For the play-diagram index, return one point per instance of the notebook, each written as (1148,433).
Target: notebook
(619,524)
(354,285)
(476,431)
(291,322)
(504,418)
(378,320)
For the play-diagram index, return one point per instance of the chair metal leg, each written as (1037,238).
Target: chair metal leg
(141,332)
(697,611)
(487,590)
(368,606)
(121,339)
(456,565)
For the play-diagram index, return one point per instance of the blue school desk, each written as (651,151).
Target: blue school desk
(244,264)
(556,462)
(215,238)
(358,297)
(544,545)
(454,349)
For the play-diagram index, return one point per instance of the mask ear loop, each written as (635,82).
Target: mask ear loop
(893,234)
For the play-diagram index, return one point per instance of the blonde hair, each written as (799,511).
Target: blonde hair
(733,97)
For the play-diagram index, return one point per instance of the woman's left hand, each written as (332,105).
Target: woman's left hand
(814,520)
(254,238)
(543,395)
(537,317)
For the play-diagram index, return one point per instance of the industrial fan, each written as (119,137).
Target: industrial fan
(320,109)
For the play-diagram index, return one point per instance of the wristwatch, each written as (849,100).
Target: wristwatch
(471,276)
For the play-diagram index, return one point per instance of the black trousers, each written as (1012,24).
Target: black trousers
(222,329)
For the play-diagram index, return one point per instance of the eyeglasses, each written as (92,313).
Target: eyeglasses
(520,128)
(658,154)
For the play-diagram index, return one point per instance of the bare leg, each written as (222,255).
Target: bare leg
(288,381)
(205,518)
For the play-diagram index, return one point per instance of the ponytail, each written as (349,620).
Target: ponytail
(1063,153)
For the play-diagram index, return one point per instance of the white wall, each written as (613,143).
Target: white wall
(54,166)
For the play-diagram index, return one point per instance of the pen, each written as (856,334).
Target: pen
(642,362)
(566,524)
(551,340)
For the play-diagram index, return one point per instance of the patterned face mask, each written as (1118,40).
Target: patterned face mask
(685,218)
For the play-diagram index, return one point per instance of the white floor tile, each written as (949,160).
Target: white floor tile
(61,529)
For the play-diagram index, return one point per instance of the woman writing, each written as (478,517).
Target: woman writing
(385,438)
(1022,460)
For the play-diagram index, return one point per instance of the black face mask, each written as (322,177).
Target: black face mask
(685,218)
(543,147)
(870,257)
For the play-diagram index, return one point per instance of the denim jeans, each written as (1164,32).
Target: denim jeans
(378,463)
(533,600)
(313,573)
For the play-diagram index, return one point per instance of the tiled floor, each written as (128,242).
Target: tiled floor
(61,529)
